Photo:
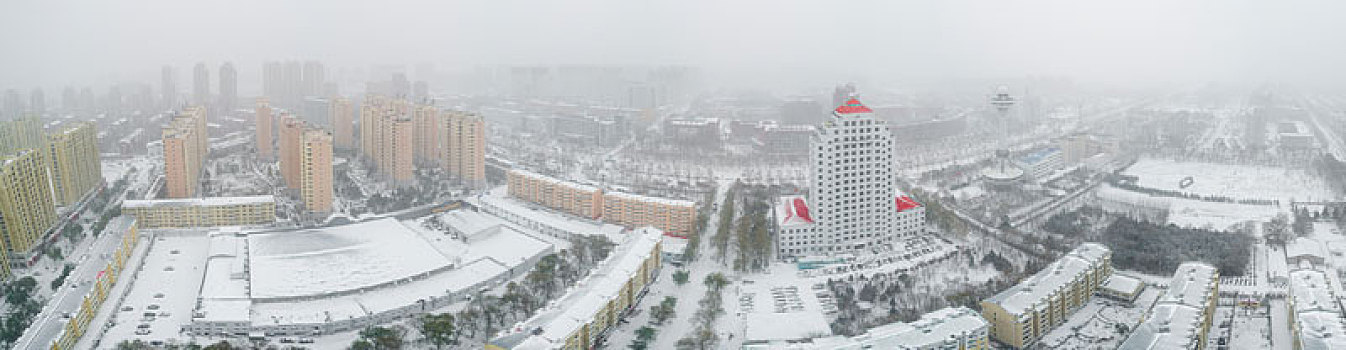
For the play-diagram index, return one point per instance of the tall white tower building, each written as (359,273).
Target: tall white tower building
(852,180)
(856,204)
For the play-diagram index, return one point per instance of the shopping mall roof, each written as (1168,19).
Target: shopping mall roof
(338,258)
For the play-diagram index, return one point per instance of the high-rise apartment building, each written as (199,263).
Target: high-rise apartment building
(13,105)
(283,83)
(316,171)
(464,147)
(26,208)
(37,102)
(228,87)
(21,133)
(314,77)
(291,150)
(201,84)
(426,134)
(395,135)
(852,184)
(169,84)
(185,149)
(73,155)
(387,138)
(343,118)
(266,148)
(842,93)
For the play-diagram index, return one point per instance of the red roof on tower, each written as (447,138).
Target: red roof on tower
(853,106)
(793,210)
(904,203)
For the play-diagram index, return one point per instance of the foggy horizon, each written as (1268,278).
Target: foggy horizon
(799,44)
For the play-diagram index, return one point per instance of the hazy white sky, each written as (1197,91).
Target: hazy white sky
(58,43)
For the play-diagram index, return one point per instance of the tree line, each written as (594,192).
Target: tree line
(1158,249)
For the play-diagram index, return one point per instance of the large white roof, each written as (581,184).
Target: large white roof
(335,259)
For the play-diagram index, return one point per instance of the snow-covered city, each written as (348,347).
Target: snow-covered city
(690,175)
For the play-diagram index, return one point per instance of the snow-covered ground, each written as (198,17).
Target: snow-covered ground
(1229,180)
(1218,215)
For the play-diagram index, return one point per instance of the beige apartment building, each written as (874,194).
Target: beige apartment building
(20,134)
(426,136)
(26,207)
(73,156)
(1022,314)
(1181,317)
(387,137)
(343,127)
(291,150)
(464,147)
(316,169)
(580,318)
(202,212)
(674,217)
(572,198)
(396,136)
(266,148)
(185,149)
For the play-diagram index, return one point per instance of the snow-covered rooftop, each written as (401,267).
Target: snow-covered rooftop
(167,284)
(339,258)
(1033,290)
(931,331)
(649,199)
(792,211)
(204,201)
(1175,321)
(471,222)
(323,310)
(550,327)
(772,305)
(499,198)
(1123,284)
(571,184)
(1305,247)
(1192,283)
(1318,316)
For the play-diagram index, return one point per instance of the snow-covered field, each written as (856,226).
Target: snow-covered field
(1216,215)
(1237,181)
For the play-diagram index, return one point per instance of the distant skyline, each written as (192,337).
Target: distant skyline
(82,43)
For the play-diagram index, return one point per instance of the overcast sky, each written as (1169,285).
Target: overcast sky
(58,43)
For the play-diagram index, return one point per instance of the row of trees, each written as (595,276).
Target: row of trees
(1332,170)
(18,298)
(723,230)
(1158,249)
(1127,182)
(711,307)
(753,234)
(702,223)
(658,315)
